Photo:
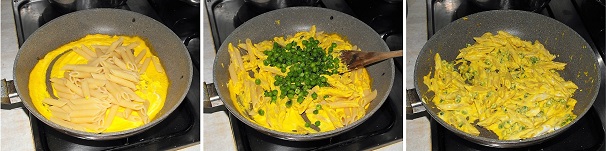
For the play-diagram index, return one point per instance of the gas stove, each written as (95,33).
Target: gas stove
(586,17)
(384,127)
(180,129)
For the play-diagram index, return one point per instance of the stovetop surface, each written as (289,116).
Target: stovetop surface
(181,128)
(585,134)
(586,17)
(383,128)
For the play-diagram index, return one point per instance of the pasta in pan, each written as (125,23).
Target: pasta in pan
(504,84)
(100,85)
(292,84)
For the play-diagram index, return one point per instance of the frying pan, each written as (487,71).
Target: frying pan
(558,38)
(70,27)
(297,19)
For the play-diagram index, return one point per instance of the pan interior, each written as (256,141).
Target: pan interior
(70,27)
(560,40)
(289,21)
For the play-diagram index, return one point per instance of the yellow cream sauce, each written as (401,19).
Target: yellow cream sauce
(152,87)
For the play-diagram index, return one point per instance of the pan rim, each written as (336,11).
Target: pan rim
(311,136)
(109,135)
(508,143)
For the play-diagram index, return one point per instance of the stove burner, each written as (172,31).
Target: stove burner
(180,128)
(584,17)
(382,128)
(246,12)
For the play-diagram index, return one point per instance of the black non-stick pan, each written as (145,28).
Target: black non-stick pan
(297,19)
(70,27)
(558,38)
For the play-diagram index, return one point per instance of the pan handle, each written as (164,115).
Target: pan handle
(8,91)
(212,102)
(414,105)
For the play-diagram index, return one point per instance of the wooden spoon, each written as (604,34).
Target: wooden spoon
(357,59)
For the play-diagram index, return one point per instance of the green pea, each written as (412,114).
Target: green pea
(318,107)
(304,93)
(288,104)
(274,92)
(261,112)
(300,100)
(315,112)
(266,62)
(314,95)
(307,124)
(290,95)
(317,123)
(273,99)
(258,81)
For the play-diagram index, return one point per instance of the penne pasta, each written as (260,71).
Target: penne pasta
(131,105)
(133,95)
(87,113)
(82,53)
(82,68)
(131,46)
(78,74)
(119,63)
(145,64)
(131,66)
(103,48)
(143,116)
(97,61)
(98,51)
(74,88)
(60,87)
(88,51)
(92,82)
(122,82)
(115,45)
(53,102)
(127,113)
(124,75)
(57,80)
(56,109)
(157,64)
(140,56)
(87,107)
(83,120)
(61,115)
